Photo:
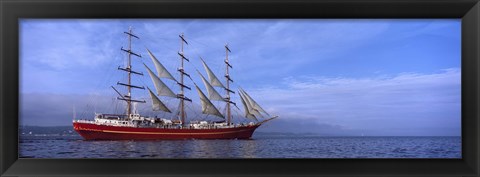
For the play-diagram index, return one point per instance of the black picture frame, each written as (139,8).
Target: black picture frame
(13,10)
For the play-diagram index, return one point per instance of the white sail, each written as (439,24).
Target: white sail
(246,107)
(161,70)
(207,106)
(212,93)
(213,79)
(253,103)
(157,105)
(162,89)
(250,108)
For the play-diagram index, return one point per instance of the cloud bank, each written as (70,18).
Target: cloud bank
(407,104)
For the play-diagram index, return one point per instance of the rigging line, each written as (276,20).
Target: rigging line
(148,35)
(195,67)
(159,43)
(195,50)
(194,81)
(238,114)
(155,38)
(197,114)
(204,117)
(113,105)
(188,110)
(177,65)
(164,115)
(166,64)
(101,82)
(116,107)
(105,79)
(82,114)
(191,108)
(166,101)
(142,109)
(177,112)
(201,43)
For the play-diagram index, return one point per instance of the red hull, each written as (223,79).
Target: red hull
(104,132)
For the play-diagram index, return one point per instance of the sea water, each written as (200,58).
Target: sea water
(262,145)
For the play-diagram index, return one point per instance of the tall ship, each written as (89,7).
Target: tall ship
(131,125)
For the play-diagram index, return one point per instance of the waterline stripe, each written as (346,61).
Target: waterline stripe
(161,133)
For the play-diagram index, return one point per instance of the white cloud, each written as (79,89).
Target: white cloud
(408,101)
(67,44)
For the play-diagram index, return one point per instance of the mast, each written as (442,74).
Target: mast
(228,80)
(128,69)
(182,96)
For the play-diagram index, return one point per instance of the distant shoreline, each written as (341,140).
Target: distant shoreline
(66,130)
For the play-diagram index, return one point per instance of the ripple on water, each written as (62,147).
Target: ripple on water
(65,152)
(260,147)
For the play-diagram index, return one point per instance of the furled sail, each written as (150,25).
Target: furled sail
(246,107)
(252,103)
(162,89)
(207,106)
(157,105)
(161,70)
(212,93)
(213,79)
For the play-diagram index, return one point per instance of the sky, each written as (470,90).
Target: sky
(372,77)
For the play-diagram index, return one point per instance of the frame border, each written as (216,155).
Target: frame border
(12,10)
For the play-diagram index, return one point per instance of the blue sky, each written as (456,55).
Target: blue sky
(332,77)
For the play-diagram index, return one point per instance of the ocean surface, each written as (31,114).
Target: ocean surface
(263,145)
